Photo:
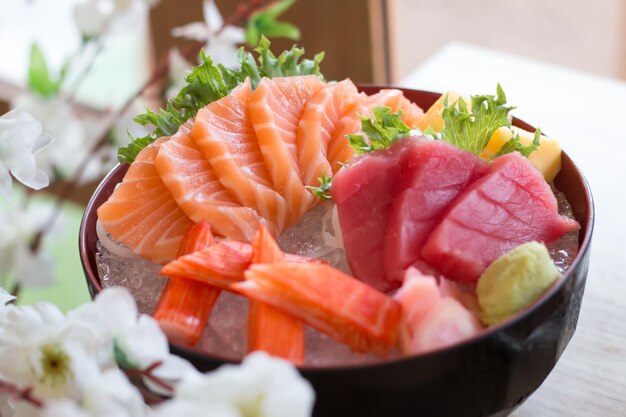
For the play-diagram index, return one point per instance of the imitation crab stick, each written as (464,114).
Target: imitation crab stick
(329,300)
(269,329)
(185,305)
(220,265)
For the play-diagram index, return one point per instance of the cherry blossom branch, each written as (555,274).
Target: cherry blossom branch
(25,394)
(243,13)
(148,374)
(189,52)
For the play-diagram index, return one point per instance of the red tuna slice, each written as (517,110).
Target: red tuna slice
(433,175)
(364,192)
(512,204)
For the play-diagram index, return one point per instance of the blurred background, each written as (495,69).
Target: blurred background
(76,69)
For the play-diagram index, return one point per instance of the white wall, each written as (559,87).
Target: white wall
(587,35)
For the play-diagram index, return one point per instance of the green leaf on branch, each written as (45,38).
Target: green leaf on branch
(264,23)
(39,78)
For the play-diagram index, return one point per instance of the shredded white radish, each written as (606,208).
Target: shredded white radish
(111,245)
(333,236)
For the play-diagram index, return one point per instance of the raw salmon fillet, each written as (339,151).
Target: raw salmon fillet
(320,117)
(193,183)
(142,214)
(275,110)
(225,136)
(339,150)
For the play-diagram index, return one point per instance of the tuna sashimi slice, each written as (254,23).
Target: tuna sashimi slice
(329,300)
(142,214)
(433,175)
(224,134)
(193,183)
(275,110)
(512,204)
(320,117)
(364,192)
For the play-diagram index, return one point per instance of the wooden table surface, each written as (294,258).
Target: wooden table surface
(586,113)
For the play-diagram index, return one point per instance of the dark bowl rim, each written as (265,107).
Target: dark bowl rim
(191,351)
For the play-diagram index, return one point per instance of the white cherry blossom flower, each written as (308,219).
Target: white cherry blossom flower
(109,394)
(5,297)
(21,221)
(260,386)
(138,337)
(21,137)
(40,349)
(221,42)
(178,70)
(94,17)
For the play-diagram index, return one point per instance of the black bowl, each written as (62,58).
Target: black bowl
(489,375)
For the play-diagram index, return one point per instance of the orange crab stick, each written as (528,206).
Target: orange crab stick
(329,300)
(269,329)
(185,305)
(220,265)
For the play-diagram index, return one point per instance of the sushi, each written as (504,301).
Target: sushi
(423,214)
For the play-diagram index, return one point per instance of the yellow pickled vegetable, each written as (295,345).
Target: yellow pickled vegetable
(432,117)
(546,158)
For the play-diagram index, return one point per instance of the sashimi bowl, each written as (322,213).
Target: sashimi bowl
(488,375)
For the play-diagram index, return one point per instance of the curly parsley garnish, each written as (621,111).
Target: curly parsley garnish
(323,190)
(209,82)
(379,131)
(472,129)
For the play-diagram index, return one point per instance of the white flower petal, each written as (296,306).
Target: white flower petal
(117,308)
(186,408)
(91,18)
(5,297)
(212,16)
(283,391)
(143,344)
(113,395)
(172,371)
(195,31)
(223,53)
(33,270)
(6,183)
(233,34)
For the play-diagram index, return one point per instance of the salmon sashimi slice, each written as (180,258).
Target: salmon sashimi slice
(142,214)
(395,100)
(220,265)
(329,300)
(320,118)
(224,134)
(270,329)
(339,150)
(275,110)
(185,305)
(193,183)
